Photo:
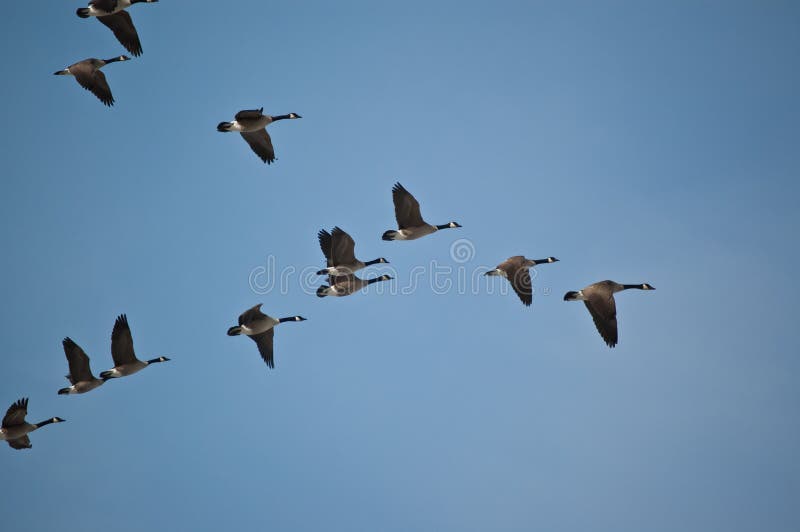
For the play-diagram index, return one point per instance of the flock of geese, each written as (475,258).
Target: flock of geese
(337,246)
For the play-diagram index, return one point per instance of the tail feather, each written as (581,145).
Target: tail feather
(83,12)
(322,291)
(105,375)
(63,391)
(389,235)
(234,331)
(224,126)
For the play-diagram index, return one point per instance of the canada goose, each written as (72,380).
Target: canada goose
(87,74)
(112,14)
(409,220)
(339,249)
(599,299)
(252,125)
(15,429)
(344,285)
(125,361)
(515,269)
(261,328)
(80,374)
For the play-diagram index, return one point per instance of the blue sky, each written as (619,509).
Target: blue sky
(634,141)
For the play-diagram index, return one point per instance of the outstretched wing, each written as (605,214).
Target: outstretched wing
(92,80)
(250,315)
(20,443)
(264,343)
(261,144)
(520,279)
(326,245)
(604,313)
(16,413)
(343,247)
(406,208)
(250,114)
(79,369)
(125,32)
(122,342)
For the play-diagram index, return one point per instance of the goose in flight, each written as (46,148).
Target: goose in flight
(599,299)
(15,429)
(113,15)
(261,328)
(344,285)
(125,361)
(516,270)
(87,74)
(80,374)
(252,125)
(409,220)
(339,250)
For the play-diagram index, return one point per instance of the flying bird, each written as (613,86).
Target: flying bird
(339,250)
(261,328)
(113,15)
(80,374)
(252,125)
(125,361)
(599,299)
(409,220)
(344,285)
(87,74)
(15,429)
(515,269)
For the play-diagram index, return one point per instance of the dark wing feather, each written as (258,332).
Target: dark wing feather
(261,144)
(250,315)
(250,114)
(520,279)
(406,208)
(20,443)
(264,343)
(16,413)
(604,313)
(92,80)
(122,342)
(125,32)
(343,247)
(79,369)
(325,244)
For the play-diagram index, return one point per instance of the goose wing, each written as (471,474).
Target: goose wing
(261,144)
(264,343)
(249,114)
(92,80)
(124,30)
(15,415)
(326,245)
(79,369)
(343,247)
(406,208)
(603,309)
(519,277)
(122,342)
(20,443)
(250,315)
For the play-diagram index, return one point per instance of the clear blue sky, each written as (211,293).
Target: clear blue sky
(635,141)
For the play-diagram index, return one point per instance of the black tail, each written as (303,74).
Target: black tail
(570,296)
(389,235)
(224,126)
(235,331)
(322,272)
(83,12)
(63,391)
(105,375)
(321,291)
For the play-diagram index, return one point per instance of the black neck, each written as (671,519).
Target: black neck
(371,262)
(541,261)
(284,320)
(280,117)
(45,422)
(112,60)
(155,360)
(443,226)
(375,280)
(627,286)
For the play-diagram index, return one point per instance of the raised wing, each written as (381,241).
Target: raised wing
(122,342)
(261,144)
(125,32)
(16,413)
(250,114)
(406,208)
(20,443)
(264,343)
(92,80)
(604,313)
(250,315)
(79,369)
(343,247)
(326,244)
